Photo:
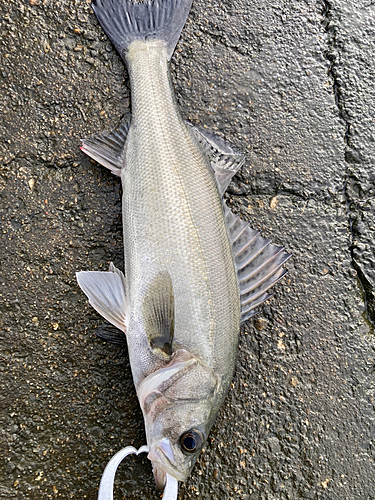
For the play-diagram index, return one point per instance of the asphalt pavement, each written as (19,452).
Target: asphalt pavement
(291,83)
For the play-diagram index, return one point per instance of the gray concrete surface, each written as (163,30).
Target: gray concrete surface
(292,84)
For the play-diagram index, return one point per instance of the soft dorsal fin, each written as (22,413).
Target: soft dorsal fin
(106,294)
(224,160)
(258,263)
(158,313)
(107,148)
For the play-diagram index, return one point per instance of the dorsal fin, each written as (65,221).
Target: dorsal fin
(258,263)
(158,313)
(224,160)
(107,148)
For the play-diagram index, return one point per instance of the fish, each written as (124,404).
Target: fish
(193,270)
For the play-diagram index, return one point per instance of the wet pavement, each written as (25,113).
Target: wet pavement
(291,84)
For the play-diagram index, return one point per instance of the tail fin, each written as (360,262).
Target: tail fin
(125,21)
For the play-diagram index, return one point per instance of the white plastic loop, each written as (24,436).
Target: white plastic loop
(171,489)
(108,477)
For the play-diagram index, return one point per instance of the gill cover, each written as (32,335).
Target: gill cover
(179,407)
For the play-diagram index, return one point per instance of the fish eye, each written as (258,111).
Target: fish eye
(191,441)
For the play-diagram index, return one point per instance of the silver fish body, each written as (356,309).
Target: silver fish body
(193,270)
(174,226)
(173,222)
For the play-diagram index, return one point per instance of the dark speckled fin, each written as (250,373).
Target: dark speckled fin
(107,148)
(110,334)
(158,313)
(258,263)
(224,160)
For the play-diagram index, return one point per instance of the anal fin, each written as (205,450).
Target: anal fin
(110,334)
(107,148)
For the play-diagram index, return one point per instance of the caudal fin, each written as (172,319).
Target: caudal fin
(125,21)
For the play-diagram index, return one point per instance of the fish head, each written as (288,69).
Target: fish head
(179,404)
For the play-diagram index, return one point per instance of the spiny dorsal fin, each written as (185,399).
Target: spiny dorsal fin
(258,263)
(224,160)
(107,148)
(158,313)
(106,294)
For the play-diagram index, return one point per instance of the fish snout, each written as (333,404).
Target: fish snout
(163,463)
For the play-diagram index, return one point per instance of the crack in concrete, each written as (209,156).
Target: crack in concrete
(362,280)
(332,54)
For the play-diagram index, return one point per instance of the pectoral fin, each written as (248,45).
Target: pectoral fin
(107,148)
(106,294)
(224,160)
(158,313)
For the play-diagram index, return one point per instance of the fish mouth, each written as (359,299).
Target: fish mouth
(160,477)
(161,456)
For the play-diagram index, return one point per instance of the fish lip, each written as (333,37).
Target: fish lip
(160,477)
(162,464)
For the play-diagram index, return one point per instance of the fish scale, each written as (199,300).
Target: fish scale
(179,224)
